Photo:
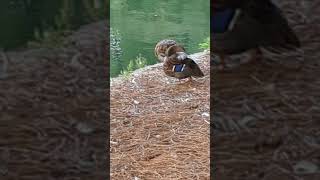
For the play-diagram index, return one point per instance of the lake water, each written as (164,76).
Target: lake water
(25,20)
(137,25)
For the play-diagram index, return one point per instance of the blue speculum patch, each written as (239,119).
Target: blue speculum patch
(221,20)
(178,67)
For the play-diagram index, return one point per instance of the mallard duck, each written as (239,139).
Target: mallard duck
(246,25)
(177,64)
(161,48)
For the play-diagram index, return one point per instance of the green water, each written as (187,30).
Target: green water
(30,20)
(137,25)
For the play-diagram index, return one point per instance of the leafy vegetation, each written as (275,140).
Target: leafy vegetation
(137,63)
(205,45)
(140,62)
(115,40)
(116,63)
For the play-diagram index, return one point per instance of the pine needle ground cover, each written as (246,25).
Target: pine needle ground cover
(160,128)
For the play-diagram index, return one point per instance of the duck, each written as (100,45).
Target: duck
(177,64)
(239,26)
(161,48)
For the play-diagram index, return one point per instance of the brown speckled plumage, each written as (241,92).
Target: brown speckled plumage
(161,48)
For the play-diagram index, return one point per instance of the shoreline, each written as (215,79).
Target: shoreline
(194,56)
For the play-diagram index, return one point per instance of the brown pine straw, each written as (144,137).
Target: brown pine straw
(160,128)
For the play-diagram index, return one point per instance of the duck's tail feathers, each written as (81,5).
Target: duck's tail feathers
(196,71)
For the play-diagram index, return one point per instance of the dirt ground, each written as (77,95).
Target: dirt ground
(266,114)
(160,128)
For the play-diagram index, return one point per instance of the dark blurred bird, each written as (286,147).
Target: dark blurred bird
(247,25)
(161,48)
(177,64)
